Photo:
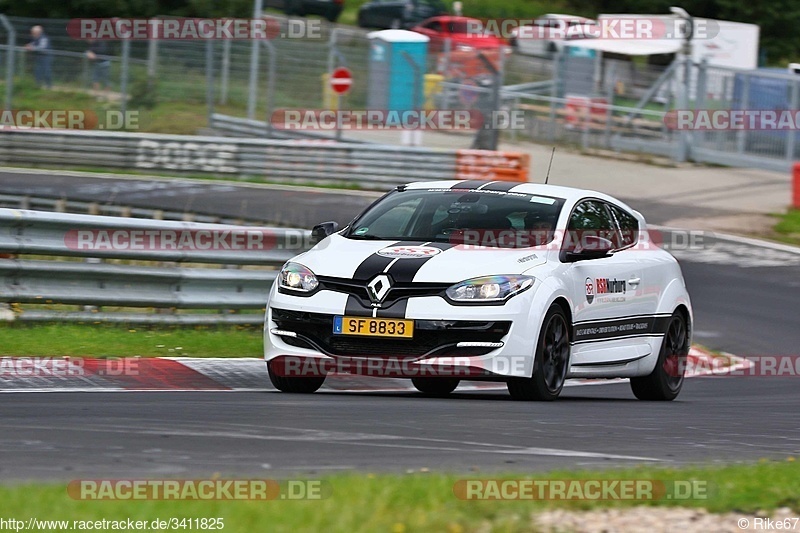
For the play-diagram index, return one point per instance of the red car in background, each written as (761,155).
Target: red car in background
(467,40)
(465,34)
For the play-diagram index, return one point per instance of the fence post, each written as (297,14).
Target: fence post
(226,67)
(700,97)
(210,80)
(610,102)
(271,72)
(10,53)
(254,50)
(741,140)
(123,82)
(152,61)
(555,90)
(683,103)
(791,135)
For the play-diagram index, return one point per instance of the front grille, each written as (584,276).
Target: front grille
(431,337)
(399,291)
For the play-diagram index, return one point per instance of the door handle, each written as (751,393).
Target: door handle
(633,282)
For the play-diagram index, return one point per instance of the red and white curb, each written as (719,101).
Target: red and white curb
(63,374)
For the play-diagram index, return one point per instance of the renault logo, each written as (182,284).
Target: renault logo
(379,287)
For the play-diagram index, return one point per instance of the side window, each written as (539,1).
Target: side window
(590,218)
(628,226)
(434,25)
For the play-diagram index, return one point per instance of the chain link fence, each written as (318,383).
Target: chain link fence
(614,102)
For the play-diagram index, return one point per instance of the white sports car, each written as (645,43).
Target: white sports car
(519,283)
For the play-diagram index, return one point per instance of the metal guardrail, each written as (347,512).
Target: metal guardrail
(230,281)
(65,205)
(374,166)
(230,126)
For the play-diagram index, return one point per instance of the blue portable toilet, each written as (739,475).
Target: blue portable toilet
(397,65)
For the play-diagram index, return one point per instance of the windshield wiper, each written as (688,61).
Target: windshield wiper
(367,237)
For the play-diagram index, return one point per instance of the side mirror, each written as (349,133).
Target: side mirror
(320,231)
(590,247)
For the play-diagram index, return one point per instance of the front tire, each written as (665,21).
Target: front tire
(300,385)
(551,361)
(435,386)
(665,381)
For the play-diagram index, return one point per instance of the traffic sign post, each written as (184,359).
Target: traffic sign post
(341,80)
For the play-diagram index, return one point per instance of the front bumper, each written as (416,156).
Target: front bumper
(474,342)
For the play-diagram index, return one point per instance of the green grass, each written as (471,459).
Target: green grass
(94,340)
(418,501)
(788,227)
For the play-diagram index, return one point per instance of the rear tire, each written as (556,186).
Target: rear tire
(302,385)
(551,361)
(435,386)
(665,381)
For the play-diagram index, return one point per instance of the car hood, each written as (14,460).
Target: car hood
(339,257)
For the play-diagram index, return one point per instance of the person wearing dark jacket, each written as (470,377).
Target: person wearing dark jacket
(42,58)
(98,54)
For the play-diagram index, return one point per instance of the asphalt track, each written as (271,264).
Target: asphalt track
(59,436)
(745,300)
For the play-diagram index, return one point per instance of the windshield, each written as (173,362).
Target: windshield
(460,216)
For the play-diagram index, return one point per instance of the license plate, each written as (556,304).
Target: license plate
(373,327)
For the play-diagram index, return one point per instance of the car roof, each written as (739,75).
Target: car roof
(569,194)
(450,18)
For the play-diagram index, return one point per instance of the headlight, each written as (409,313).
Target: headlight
(465,48)
(488,288)
(296,277)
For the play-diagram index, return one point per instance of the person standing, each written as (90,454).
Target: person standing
(43,57)
(101,63)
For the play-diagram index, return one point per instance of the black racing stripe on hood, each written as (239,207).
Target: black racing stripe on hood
(353,307)
(373,265)
(404,270)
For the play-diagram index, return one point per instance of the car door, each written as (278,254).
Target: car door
(606,292)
